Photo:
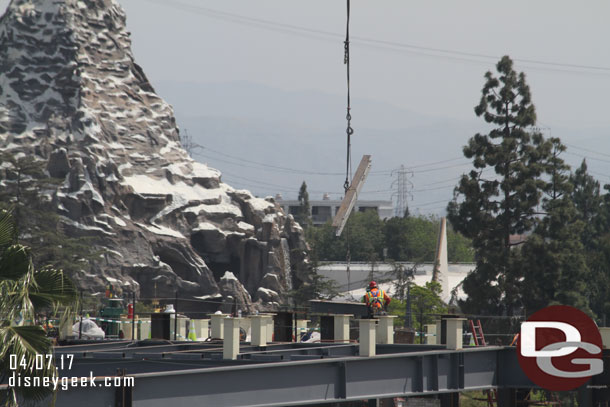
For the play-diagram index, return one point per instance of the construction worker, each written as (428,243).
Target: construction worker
(376,299)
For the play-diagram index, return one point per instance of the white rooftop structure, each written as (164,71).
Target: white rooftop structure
(360,272)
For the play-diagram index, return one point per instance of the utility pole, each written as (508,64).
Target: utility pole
(400,184)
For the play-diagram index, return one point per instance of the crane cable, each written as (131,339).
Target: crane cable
(349,131)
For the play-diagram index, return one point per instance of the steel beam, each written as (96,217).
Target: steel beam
(246,383)
(327,380)
(358,310)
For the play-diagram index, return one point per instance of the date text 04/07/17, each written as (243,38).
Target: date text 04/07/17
(41,362)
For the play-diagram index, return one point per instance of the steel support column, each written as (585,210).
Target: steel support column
(507,397)
(450,399)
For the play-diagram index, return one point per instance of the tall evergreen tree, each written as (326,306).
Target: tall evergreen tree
(304,217)
(318,286)
(554,260)
(27,190)
(491,207)
(396,238)
(587,199)
(594,210)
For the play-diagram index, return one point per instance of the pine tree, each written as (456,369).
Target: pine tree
(594,210)
(28,191)
(553,257)
(587,199)
(318,286)
(304,217)
(489,207)
(396,239)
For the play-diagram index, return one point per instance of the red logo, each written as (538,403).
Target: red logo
(559,348)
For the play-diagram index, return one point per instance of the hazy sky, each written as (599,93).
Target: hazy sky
(189,40)
(415,55)
(427,57)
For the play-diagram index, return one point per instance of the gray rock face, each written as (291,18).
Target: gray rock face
(72,95)
(235,294)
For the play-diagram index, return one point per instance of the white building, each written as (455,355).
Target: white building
(324,210)
(353,286)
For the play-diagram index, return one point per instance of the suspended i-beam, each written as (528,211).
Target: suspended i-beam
(352,194)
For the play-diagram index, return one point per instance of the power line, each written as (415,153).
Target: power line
(486,56)
(599,174)
(284,188)
(453,179)
(435,189)
(588,157)
(587,150)
(432,208)
(269,184)
(187,143)
(266,184)
(376,43)
(265,165)
(442,168)
(432,203)
(436,162)
(277,168)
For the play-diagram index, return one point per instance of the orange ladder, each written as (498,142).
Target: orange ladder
(479,340)
(477,333)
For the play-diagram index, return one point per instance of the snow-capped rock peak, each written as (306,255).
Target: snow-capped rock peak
(71,94)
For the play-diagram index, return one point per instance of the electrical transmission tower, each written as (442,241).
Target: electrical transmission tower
(401,185)
(187,143)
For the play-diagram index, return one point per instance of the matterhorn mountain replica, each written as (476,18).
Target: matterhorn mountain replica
(72,96)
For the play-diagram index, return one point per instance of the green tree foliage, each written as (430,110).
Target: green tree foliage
(396,238)
(426,305)
(554,261)
(28,192)
(588,200)
(26,188)
(402,278)
(489,207)
(412,238)
(318,287)
(25,291)
(364,231)
(407,239)
(598,260)
(303,217)
(459,248)
(594,210)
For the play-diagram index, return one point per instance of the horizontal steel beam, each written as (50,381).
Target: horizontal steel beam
(323,380)
(359,310)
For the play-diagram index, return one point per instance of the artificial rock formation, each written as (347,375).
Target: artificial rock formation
(72,95)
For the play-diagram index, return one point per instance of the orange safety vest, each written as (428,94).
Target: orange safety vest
(375,298)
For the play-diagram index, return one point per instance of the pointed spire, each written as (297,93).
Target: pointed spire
(440,272)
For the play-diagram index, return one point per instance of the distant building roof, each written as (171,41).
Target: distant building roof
(517,239)
(325,209)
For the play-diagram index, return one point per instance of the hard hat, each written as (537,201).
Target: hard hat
(372,284)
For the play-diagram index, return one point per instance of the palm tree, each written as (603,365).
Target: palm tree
(24,293)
